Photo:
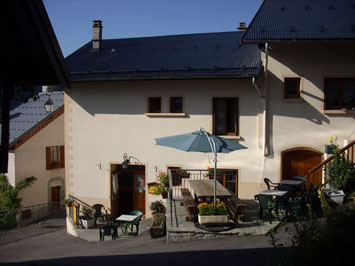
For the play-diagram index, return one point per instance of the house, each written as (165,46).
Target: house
(309,81)
(37,149)
(126,92)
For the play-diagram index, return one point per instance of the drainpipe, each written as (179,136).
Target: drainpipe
(266,91)
(264,101)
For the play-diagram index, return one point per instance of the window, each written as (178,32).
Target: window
(176,104)
(154,105)
(54,157)
(225,116)
(229,179)
(291,88)
(339,93)
(175,175)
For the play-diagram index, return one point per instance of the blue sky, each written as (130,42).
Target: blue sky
(72,19)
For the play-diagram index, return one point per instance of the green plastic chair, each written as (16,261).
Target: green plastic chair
(265,203)
(301,189)
(270,184)
(98,212)
(298,205)
(136,221)
(301,178)
(108,230)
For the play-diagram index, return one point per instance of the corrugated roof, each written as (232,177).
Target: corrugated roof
(27,115)
(176,56)
(302,20)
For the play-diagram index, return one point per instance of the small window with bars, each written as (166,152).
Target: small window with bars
(54,157)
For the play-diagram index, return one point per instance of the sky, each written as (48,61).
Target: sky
(72,19)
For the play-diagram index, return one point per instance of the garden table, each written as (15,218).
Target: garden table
(273,192)
(204,189)
(125,221)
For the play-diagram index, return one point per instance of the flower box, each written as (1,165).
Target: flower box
(213,219)
(337,196)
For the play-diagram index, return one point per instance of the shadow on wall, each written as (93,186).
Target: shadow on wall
(130,97)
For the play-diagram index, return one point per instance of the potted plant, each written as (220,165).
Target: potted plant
(68,202)
(87,219)
(158,228)
(157,207)
(162,185)
(210,174)
(208,214)
(183,174)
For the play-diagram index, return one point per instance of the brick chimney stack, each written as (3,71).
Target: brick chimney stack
(97,35)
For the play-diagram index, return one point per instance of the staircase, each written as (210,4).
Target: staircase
(315,175)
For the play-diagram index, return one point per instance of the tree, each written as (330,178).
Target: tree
(10,201)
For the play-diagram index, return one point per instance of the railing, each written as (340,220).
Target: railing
(317,174)
(27,215)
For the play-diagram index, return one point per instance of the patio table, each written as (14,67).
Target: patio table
(125,221)
(273,192)
(204,189)
(291,182)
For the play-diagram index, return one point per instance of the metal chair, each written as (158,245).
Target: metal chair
(265,203)
(136,221)
(270,184)
(98,212)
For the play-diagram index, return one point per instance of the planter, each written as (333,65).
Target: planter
(213,219)
(88,223)
(184,175)
(336,196)
(158,230)
(164,195)
(329,149)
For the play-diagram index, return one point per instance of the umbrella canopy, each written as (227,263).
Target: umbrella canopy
(201,141)
(198,141)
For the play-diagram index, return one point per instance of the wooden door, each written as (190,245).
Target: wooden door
(139,192)
(55,197)
(299,162)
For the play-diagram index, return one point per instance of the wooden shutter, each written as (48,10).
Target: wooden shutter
(48,158)
(62,161)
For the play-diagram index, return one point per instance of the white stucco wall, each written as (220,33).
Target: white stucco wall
(305,124)
(31,161)
(11,168)
(105,120)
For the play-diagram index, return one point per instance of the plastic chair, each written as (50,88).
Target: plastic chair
(265,203)
(98,213)
(301,189)
(282,206)
(301,178)
(298,205)
(136,221)
(270,184)
(108,230)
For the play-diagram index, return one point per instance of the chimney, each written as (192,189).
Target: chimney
(97,35)
(242,26)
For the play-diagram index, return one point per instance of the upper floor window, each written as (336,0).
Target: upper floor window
(292,88)
(154,105)
(176,104)
(54,157)
(339,93)
(225,116)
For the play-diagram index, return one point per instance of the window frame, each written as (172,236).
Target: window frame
(236,126)
(149,106)
(58,151)
(340,85)
(292,96)
(171,105)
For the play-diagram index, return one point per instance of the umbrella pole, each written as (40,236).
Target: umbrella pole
(215,179)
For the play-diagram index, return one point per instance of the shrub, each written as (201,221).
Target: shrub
(157,207)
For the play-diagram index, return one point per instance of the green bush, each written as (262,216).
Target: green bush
(326,241)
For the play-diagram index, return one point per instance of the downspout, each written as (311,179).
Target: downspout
(264,101)
(266,91)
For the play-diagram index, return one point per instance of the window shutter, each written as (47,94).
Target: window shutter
(48,158)
(62,161)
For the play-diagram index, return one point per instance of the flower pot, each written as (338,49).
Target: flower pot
(164,195)
(87,223)
(158,230)
(336,196)
(329,149)
(213,219)
(184,175)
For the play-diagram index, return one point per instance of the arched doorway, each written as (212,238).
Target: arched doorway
(298,161)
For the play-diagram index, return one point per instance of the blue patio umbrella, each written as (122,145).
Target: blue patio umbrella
(201,141)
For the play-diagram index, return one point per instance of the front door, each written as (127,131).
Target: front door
(298,162)
(55,197)
(139,192)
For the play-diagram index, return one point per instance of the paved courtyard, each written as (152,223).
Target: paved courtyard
(47,243)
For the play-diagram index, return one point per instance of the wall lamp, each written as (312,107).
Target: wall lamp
(49,105)
(127,161)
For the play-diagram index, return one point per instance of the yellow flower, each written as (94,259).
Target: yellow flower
(329,140)
(335,137)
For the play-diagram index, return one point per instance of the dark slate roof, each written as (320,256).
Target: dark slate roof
(302,20)
(27,115)
(202,55)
